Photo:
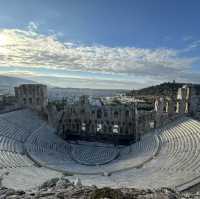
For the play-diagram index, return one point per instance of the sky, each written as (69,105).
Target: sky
(108,44)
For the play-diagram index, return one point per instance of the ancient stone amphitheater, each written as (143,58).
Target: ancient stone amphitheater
(31,153)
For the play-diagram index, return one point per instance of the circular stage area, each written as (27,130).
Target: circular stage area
(93,155)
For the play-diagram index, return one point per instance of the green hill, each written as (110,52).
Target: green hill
(164,89)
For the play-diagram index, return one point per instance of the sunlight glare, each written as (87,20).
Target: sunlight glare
(2,39)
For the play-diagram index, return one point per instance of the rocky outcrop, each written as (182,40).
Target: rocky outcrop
(62,188)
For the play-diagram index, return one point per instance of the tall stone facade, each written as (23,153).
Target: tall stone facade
(194,105)
(32,96)
(84,119)
(171,107)
(127,121)
(110,120)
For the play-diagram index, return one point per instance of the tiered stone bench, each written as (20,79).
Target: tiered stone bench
(178,163)
(167,157)
(7,129)
(7,144)
(25,118)
(88,158)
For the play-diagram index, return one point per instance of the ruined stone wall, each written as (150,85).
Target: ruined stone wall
(194,104)
(145,121)
(84,118)
(184,103)
(32,96)
(53,116)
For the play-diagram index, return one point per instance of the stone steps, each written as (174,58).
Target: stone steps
(168,157)
(12,160)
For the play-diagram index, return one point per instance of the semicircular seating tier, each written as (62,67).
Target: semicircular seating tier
(51,151)
(16,168)
(167,157)
(19,125)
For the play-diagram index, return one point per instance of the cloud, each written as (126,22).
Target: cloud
(32,26)
(75,81)
(194,44)
(188,38)
(29,48)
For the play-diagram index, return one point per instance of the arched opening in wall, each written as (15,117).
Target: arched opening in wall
(87,127)
(82,112)
(17,93)
(105,113)
(30,100)
(38,100)
(83,127)
(99,128)
(63,128)
(73,127)
(77,127)
(121,129)
(152,124)
(74,111)
(91,128)
(24,90)
(188,106)
(127,114)
(115,128)
(99,113)
(115,114)
(110,129)
(126,130)
(175,108)
(104,128)
(38,90)
(24,100)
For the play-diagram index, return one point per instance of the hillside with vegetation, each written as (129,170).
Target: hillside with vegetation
(164,89)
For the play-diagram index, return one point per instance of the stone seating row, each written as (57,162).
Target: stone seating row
(182,148)
(138,152)
(177,164)
(45,139)
(64,161)
(177,161)
(37,148)
(7,144)
(26,119)
(146,147)
(192,157)
(9,130)
(12,160)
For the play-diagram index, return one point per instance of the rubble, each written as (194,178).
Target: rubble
(62,188)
